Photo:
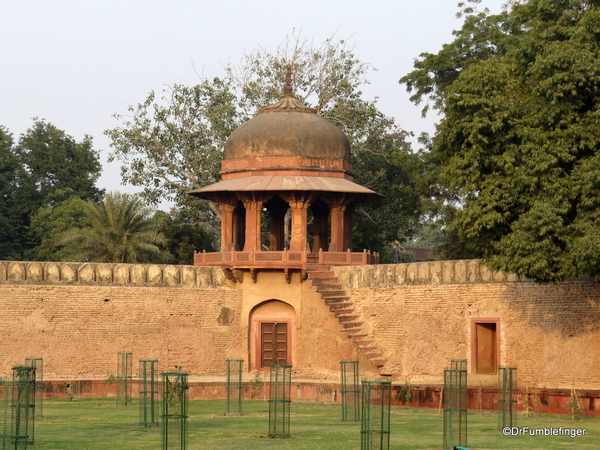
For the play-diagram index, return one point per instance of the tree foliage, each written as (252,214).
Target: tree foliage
(57,165)
(176,144)
(47,166)
(517,149)
(121,230)
(50,223)
(9,220)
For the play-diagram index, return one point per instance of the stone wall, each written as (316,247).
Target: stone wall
(77,317)
(422,314)
(98,274)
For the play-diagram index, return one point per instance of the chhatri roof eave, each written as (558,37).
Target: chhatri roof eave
(277,183)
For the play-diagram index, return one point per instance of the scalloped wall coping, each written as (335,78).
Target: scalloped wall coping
(105,274)
(468,271)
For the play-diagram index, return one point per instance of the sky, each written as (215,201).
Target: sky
(75,63)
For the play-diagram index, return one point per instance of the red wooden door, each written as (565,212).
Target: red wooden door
(485,335)
(274,344)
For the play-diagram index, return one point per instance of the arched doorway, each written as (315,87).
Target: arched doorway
(272,334)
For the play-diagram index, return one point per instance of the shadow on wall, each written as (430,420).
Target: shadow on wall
(569,308)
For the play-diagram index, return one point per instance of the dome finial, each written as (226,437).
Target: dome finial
(288,82)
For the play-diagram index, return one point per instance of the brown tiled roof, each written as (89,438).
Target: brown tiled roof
(286,183)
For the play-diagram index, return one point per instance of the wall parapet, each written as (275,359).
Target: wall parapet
(108,274)
(431,272)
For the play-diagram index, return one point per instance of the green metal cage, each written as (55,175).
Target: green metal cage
(149,393)
(455,405)
(234,387)
(174,412)
(16,418)
(279,401)
(38,397)
(124,378)
(507,401)
(375,421)
(350,391)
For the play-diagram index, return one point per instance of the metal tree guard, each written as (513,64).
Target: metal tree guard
(507,403)
(38,396)
(16,418)
(455,404)
(149,394)
(174,416)
(350,391)
(375,423)
(234,387)
(279,401)
(124,378)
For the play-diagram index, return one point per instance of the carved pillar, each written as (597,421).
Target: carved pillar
(342,212)
(337,228)
(253,221)
(226,226)
(299,205)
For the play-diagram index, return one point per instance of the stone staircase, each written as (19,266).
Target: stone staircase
(340,305)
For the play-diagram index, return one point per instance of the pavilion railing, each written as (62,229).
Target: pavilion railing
(285,257)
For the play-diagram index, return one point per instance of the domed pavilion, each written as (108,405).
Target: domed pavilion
(286,161)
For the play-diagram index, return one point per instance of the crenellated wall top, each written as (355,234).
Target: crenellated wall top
(105,274)
(431,272)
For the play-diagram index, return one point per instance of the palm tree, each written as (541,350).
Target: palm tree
(122,230)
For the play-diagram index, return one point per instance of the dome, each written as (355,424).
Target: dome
(288,128)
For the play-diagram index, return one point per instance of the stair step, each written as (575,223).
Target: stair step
(351,328)
(378,362)
(329,287)
(327,293)
(356,335)
(345,318)
(342,313)
(336,299)
(321,274)
(324,280)
(340,306)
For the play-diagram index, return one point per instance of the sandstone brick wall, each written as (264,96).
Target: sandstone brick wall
(77,317)
(422,315)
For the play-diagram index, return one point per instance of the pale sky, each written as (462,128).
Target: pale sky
(77,62)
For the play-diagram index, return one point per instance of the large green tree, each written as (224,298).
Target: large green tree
(9,219)
(518,147)
(175,144)
(57,165)
(44,168)
(121,230)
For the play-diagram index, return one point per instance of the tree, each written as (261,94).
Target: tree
(47,166)
(121,230)
(176,145)
(50,223)
(182,238)
(517,149)
(57,165)
(9,167)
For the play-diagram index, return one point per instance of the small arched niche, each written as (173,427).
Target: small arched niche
(272,334)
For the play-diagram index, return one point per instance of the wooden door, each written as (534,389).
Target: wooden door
(274,344)
(486,352)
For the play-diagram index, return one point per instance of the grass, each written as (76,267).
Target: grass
(98,424)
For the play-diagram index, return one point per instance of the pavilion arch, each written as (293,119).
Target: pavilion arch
(272,334)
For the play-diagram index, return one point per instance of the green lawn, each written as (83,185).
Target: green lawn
(98,424)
